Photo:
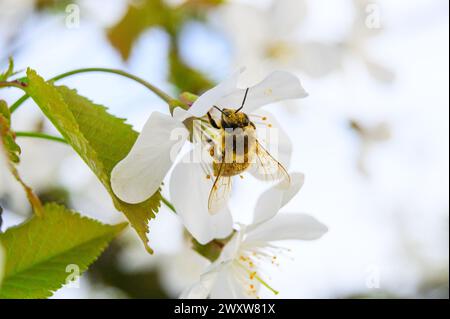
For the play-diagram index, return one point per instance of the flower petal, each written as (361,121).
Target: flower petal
(287,227)
(180,114)
(189,192)
(272,200)
(228,286)
(140,173)
(278,86)
(317,59)
(231,249)
(206,101)
(202,289)
(274,139)
(379,72)
(286,16)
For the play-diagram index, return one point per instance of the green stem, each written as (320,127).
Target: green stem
(18,103)
(168,204)
(42,136)
(4,84)
(164,96)
(151,87)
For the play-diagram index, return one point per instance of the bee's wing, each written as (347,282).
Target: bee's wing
(267,168)
(220,191)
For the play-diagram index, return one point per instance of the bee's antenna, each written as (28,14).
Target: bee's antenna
(217,108)
(243,102)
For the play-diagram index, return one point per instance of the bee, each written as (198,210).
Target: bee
(236,150)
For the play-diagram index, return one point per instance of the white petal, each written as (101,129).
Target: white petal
(140,173)
(202,289)
(272,200)
(249,46)
(287,15)
(231,249)
(317,59)
(274,139)
(206,101)
(175,277)
(287,227)
(228,286)
(180,114)
(276,87)
(189,192)
(380,72)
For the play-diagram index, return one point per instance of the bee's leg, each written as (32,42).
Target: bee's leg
(212,121)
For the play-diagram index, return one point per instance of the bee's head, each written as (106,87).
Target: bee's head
(233,119)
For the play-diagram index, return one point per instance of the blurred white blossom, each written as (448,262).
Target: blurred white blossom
(269,38)
(12,14)
(369,137)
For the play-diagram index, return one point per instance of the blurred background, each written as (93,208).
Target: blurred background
(372,138)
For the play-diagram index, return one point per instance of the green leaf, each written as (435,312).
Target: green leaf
(145,14)
(39,251)
(211,250)
(185,77)
(11,151)
(7,135)
(139,17)
(9,72)
(4,111)
(101,140)
(2,261)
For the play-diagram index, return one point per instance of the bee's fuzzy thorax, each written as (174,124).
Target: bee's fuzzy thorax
(233,119)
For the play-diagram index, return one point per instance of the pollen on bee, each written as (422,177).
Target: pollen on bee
(269,125)
(208,176)
(241,176)
(264,118)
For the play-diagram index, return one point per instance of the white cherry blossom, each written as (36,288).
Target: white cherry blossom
(241,270)
(141,172)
